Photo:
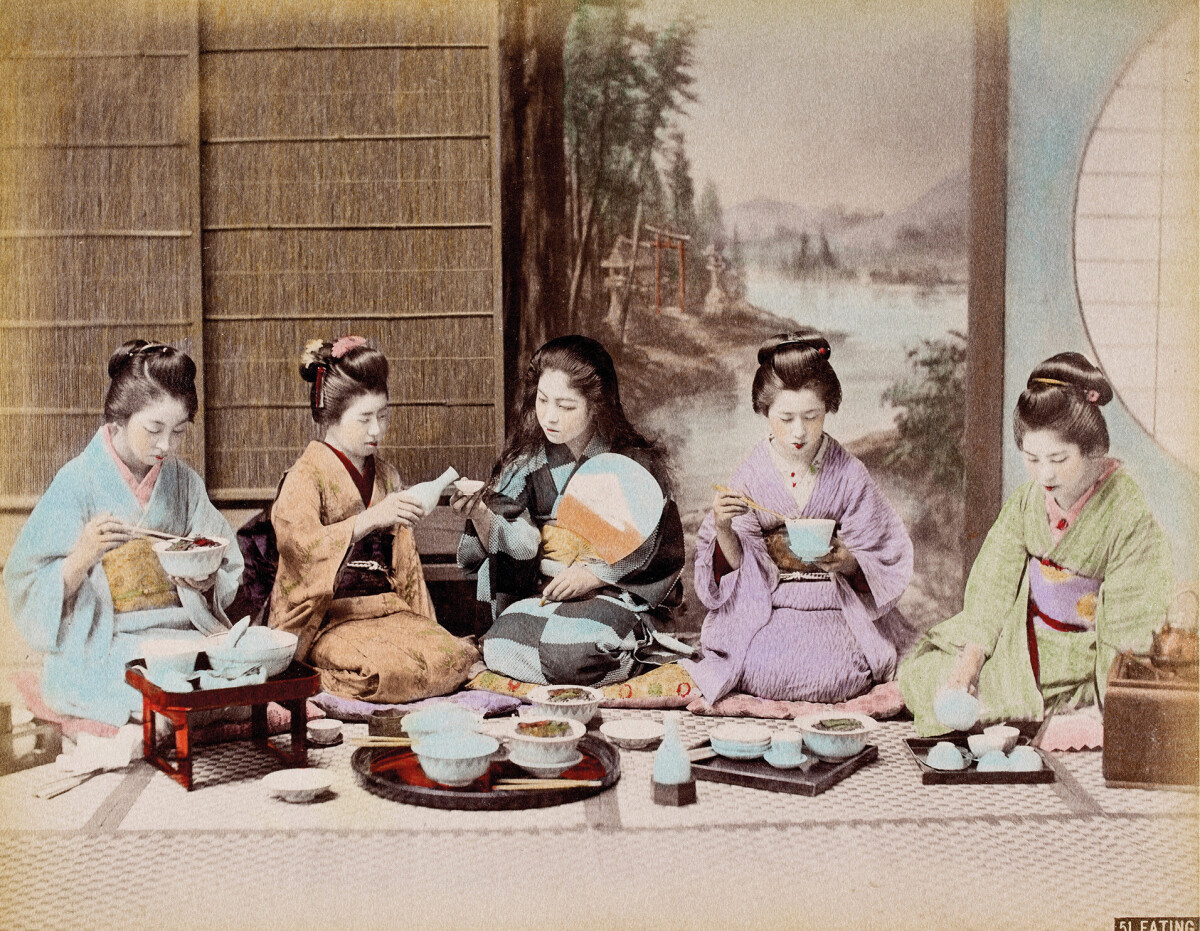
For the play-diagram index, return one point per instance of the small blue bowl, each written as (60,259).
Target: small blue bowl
(455,758)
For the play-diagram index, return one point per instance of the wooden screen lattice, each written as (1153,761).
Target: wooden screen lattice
(336,163)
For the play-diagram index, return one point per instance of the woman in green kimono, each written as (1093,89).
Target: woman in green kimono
(1074,570)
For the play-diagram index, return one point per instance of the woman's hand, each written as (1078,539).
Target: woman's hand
(396,508)
(965,674)
(197,585)
(462,504)
(571,584)
(839,559)
(100,535)
(726,506)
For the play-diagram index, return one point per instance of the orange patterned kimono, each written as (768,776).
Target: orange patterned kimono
(385,647)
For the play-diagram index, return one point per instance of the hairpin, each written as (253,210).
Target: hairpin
(319,387)
(1053,381)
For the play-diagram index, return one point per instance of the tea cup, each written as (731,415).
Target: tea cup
(808,537)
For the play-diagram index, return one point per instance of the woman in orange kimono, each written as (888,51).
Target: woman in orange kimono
(349,582)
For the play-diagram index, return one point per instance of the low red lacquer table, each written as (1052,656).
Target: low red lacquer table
(289,689)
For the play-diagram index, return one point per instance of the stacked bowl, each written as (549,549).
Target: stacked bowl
(740,741)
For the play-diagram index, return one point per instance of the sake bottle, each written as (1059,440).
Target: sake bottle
(671,764)
(427,494)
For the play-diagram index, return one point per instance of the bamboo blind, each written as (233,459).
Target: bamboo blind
(347,184)
(98,214)
(336,161)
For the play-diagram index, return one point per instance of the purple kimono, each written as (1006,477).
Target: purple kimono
(821,641)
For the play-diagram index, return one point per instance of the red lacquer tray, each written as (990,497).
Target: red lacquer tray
(396,774)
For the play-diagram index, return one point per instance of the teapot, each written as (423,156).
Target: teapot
(1174,646)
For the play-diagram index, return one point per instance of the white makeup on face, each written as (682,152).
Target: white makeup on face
(562,412)
(1059,466)
(359,431)
(151,434)
(797,419)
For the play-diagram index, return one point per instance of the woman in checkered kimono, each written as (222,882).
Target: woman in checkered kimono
(562,614)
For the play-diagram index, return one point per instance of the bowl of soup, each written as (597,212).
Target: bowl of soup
(578,702)
(543,740)
(191,557)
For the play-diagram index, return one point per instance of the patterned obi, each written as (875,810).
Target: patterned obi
(1059,599)
(368,567)
(136,579)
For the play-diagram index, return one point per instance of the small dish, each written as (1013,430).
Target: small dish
(633,733)
(741,733)
(547,770)
(324,731)
(297,785)
(734,753)
(783,760)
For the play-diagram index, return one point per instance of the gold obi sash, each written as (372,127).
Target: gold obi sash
(136,579)
(565,546)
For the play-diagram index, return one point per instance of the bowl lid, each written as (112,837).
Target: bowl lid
(741,733)
(456,745)
(297,780)
(632,729)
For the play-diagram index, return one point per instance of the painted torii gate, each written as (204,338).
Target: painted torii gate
(667,239)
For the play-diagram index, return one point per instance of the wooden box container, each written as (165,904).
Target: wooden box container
(1151,725)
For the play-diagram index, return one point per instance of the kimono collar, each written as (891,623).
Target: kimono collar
(1060,521)
(814,467)
(141,490)
(364,481)
(559,454)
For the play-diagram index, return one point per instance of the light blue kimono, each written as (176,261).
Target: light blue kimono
(86,643)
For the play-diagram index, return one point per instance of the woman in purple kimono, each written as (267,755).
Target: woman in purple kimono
(776,627)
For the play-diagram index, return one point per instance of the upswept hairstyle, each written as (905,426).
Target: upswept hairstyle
(1065,394)
(795,361)
(340,371)
(590,371)
(141,372)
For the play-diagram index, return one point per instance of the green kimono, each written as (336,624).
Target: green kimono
(1115,539)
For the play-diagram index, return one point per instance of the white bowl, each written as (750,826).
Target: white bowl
(468,486)
(455,758)
(809,537)
(199,563)
(297,785)
(444,716)
(548,770)
(945,755)
(579,709)
(170,655)
(1005,733)
(542,750)
(836,744)
(258,646)
(982,743)
(734,752)
(633,733)
(324,730)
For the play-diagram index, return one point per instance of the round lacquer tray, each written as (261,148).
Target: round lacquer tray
(396,773)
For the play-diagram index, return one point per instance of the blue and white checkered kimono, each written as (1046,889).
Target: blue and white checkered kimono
(591,641)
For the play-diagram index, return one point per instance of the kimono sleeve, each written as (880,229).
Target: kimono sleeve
(205,520)
(33,574)
(1136,590)
(513,532)
(994,585)
(874,533)
(310,553)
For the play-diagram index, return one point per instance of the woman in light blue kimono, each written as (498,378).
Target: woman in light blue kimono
(83,586)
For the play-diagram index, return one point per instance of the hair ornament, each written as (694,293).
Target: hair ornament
(822,350)
(319,386)
(152,347)
(1093,396)
(1053,381)
(311,356)
(345,344)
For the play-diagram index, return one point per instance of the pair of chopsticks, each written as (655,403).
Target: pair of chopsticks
(146,532)
(750,502)
(518,785)
(380,741)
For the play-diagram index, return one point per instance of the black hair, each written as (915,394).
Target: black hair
(141,371)
(337,381)
(590,371)
(1065,394)
(795,361)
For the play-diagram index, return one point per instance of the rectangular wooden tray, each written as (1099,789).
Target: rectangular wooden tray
(920,746)
(812,779)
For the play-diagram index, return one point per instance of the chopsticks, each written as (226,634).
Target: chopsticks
(381,741)
(750,502)
(514,784)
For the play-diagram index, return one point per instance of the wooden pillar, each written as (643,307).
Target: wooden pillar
(985,434)
(682,278)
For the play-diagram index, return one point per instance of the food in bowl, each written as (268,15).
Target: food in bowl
(543,740)
(183,544)
(566,701)
(543,728)
(184,559)
(830,738)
